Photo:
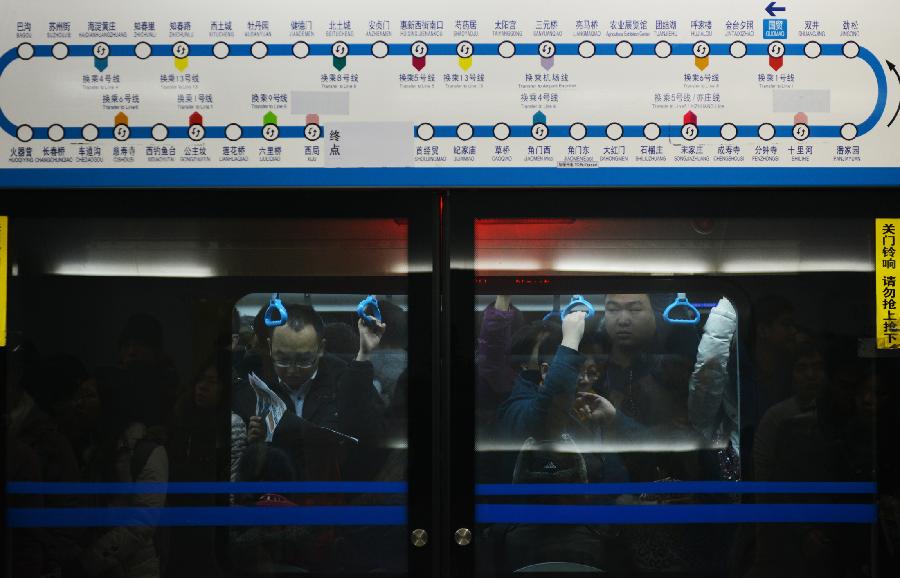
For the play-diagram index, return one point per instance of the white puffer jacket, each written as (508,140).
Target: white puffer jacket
(713,405)
(130,551)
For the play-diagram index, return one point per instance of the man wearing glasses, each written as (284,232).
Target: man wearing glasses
(334,414)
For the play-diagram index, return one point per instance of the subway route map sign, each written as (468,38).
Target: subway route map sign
(465,93)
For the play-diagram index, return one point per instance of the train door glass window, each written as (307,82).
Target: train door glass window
(675,395)
(225,397)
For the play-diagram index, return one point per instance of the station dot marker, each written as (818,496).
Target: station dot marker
(701,49)
(464,131)
(340,49)
(233,132)
(587,49)
(300,49)
(624,49)
(25,51)
(577,131)
(380,49)
(24,133)
(143,50)
(60,50)
(728,131)
(425,131)
(776,49)
(196,132)
(312,131)
(849,131)
(506,49)
(221,50)
(651,131)
(547,49)
(812,49)
(121,132)
(501,131)
(539,131)
(800,131)
(181,50)
(90,132)
(662,49)
(689,131)
(259,50)
(614,131)
(55,132)
(737,49)
(101,50)
(850,49)
(465,49)
(419,49)
(270,132)
(160,132)
(766,131)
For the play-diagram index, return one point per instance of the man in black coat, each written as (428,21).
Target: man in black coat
(334,420)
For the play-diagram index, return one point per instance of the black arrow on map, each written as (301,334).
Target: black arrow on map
(893,68)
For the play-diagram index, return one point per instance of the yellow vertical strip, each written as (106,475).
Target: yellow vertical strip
(4,268)
(887,313)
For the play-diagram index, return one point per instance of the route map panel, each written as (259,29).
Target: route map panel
(464,93)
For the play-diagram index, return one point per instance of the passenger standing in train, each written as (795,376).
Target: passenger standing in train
(767,376)
(144,375)
(631,324)
(545,403)
(809,380)
(132,452)
(792,445)
(495,370)
(389,360)
(196,443)
(335,417)
(38,451)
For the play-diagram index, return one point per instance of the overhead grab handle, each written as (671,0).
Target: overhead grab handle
(578,303)
(367,309)
(276,307)
(681,300)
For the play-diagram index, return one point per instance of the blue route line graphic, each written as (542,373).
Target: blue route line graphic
(448,49)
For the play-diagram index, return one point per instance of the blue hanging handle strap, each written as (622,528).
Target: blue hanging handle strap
(682,301)
(367,308)
(275,306)
(578,303)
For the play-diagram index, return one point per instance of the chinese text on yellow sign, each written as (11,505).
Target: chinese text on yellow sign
(887,322)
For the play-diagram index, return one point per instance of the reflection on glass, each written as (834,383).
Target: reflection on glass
(132,444)
(649,430)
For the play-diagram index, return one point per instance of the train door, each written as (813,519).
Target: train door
(220,384)
(667,382)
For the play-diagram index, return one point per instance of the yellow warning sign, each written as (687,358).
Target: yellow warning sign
(887,320)
(4,267)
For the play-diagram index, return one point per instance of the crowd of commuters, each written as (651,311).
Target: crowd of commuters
(620,396)
(137,420)
(628,396)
